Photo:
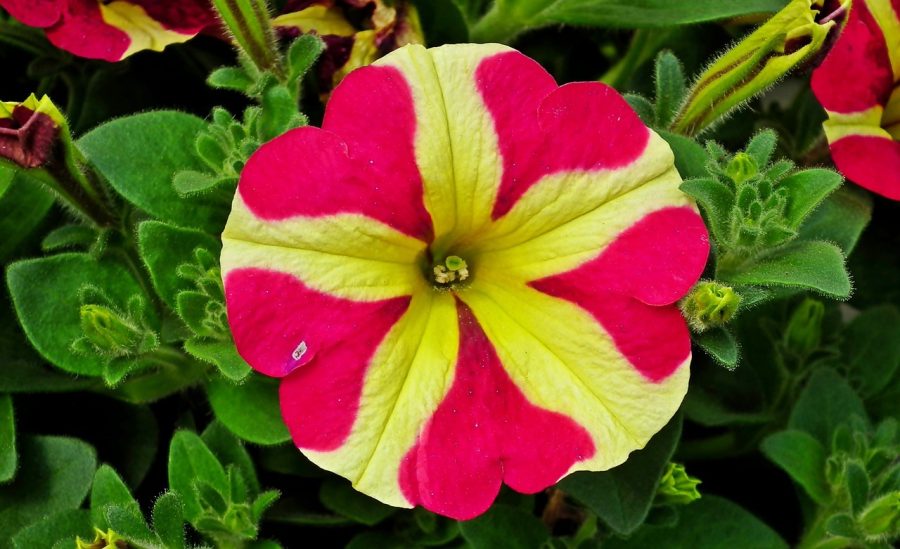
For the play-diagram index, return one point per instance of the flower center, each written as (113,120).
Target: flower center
(449,273)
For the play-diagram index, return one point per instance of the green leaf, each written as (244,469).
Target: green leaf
(129,523)
(816,266)
(710,522)
(708,410)
(442,22)
(168,520)
(164,247)
(622,496)
(841,525)
(857,482)
(803,458)
(807,189)
(222,354)
(64,526)
(54,475)
(504,526)
(140,154)
(761,147)
(338,496)
(49,310)
(717,201)
(190,461)
(24,203)
(643,107)
(825,402)
(107,490)
(507,18)
(670,87)
(190,182)
(720,344)
(69,236)
(279,112)
(8,458)
(230,78)
(690,156)
(250,410)
(871,348)
(302,55)
(229,451)
(840,218)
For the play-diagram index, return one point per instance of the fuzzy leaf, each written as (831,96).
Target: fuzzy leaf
(761,147)
(24,203)
(130,523)
(230,78)
(191,461)
(337,495)
(302,55)
(8,457)
(710,522)
(871,347)
(55,474)
(168,520)
(720,344)
(622,496)
(840,218)
(690,157)
(222,354)
(69,236)
(504,526)
(63,527)
(717,201)
(816,266)
(807,189)
(49,311)
(250,410)
(643,107)
(108,490)
(670,87)
(825,402)
(164,247)
(803,458)
(139,154)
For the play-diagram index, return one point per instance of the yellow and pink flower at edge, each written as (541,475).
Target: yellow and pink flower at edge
(555,343)
(858,83)
(113,30)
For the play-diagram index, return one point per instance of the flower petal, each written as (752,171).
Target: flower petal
(81,19)
(34,13)
(856,74)
(870,161)
(563,360)
(345,255)
(405,381)
(484,432)
(285,178)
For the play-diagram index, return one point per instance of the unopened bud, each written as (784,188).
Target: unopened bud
(741,168)
(676,486)
(108,331)
(804,330)
(709,305)
(881,518)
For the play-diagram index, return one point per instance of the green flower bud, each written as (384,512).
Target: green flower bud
(676,486)
(789,38)
(109,331)
(881,518)
(804,330)
(741,168)
(710,304)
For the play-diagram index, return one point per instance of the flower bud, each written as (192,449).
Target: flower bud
(676,486)
(804,330)
(108,331)
(30,131)
(709,305)
(790,37)
(741,168)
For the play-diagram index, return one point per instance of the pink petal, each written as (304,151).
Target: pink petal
(871,162)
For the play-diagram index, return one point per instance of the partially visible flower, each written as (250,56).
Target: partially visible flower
(356,32)
(859,85)
(477,288)
(29,131)
(111,31)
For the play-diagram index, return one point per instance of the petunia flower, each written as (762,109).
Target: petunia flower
(466,277)
(858,83)
(111,31)
(356,32)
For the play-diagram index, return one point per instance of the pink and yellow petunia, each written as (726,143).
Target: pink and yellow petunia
(859,85)
(111,31)
(465,278)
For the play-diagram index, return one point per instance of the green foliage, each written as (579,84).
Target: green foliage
(24,203)
(504,526)
(249,410)
(8,458)
(622,496)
